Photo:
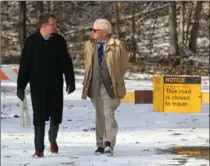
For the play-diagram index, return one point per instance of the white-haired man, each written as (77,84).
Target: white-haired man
(106,61)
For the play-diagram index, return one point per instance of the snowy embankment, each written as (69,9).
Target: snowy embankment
(141,133)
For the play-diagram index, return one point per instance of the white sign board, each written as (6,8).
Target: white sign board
(205,84)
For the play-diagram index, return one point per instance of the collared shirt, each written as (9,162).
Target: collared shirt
(104,46)
(45,38)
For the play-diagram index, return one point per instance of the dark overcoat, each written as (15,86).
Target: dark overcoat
(43,64)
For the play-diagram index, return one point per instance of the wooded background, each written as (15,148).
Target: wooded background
(161,37)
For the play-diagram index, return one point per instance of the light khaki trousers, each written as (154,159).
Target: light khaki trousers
(106,125)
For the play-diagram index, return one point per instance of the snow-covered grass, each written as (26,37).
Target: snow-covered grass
(141,133)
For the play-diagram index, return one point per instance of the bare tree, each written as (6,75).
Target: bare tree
(182,11)
(195,27)
(189,21)
(51,7)
(39,9)
(209,28)
(173,47)
(48,6)
(117,19)
(22,23)
(0,42)
(152,31)
(133,57)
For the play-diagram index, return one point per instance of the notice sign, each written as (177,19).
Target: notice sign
(180,94)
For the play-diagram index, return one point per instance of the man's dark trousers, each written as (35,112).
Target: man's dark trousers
(40,134)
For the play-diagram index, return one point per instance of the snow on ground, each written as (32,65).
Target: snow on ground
(141,133)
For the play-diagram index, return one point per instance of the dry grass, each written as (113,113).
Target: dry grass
(201,152)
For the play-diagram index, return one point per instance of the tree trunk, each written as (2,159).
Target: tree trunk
(117,20)
(209,28)
(133,57)
(51,7)
(188,23)
(182,11)
(152,31)
(39,9)
(101,6)
(195,27)
(0,37)
(173,47)
(48,6)
(22,23)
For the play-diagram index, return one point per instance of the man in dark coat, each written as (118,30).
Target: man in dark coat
(44,60)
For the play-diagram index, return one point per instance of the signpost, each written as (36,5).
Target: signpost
(177,94)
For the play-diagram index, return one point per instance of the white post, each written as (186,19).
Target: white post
(24,114)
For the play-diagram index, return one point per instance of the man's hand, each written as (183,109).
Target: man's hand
(21,94)
(70,88)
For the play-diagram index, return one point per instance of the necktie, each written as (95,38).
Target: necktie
(100,52)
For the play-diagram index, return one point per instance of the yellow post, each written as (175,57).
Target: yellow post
(158,94)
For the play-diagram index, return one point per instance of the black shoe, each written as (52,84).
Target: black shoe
(99,150)
(107,143)
(108,149)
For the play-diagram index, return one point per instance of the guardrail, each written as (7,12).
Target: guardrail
(135,96)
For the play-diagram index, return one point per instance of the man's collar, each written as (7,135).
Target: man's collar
(110,41)
(102,42)
(46,37)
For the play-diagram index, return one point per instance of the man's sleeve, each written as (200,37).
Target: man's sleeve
(67,65)
(124,58)
(24,67)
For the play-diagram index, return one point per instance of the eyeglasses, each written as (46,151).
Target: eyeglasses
(95,30)
(55,23)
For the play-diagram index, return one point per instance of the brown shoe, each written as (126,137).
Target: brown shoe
(54,148)
(38,154)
